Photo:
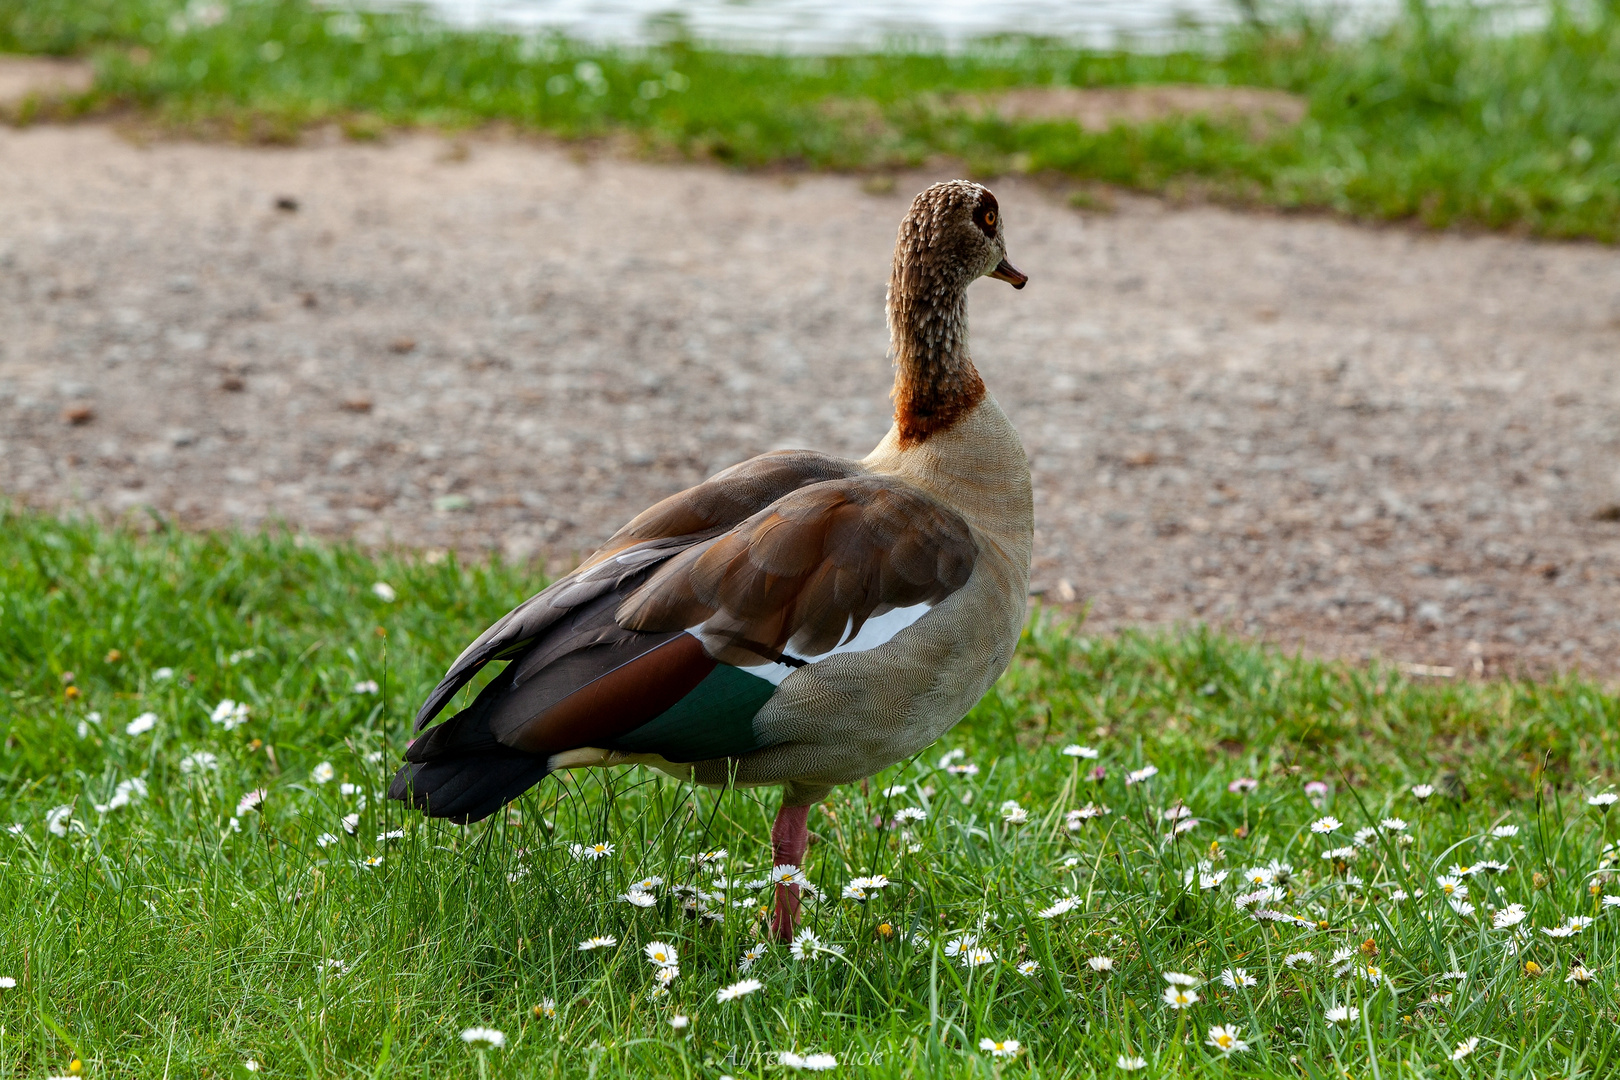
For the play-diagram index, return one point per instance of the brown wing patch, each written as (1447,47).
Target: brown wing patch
(728,497)
(805,573)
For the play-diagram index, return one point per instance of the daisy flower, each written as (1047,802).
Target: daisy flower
(910,813)
(977,956)
(660,954)
(1451,885)
(1466,1047)
(638,897)
(482,1037)
(141,724)
(547,1008)
(601,941)
(1131,1064)
(1603,800)
(1324,825)
(1000,1048)
(1342,1014)
(1580,974)
(322,773)
(1062,906)
(741,988)
(1512,915)
(229,714)
(589,852)
(1101,963)
(1013,814)
(1299,959)
(1180,997)
(1029,967)
(365,686)
(251,801)
(1420,792)
(1502,832)
(1243,785)
(384,592)
(895,791)
(1176,978)
(1225,1039)
(1392,824)
(787,874)
(199,761)
(809,1062)
(678,1022)
(1075,750)
(959,944)
(1146,772)
(1237,978)
(751,954)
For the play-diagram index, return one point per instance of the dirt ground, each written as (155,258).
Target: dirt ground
(1347,440)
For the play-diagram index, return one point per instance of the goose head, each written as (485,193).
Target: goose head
(951,236)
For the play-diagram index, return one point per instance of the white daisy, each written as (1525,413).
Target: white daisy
(977,956)
(1101,963)
(1176,978)
(1299,960)
(1062,906)
(365,686)
(1180,997)
(1146,772)
(601,941)
(660,954)
(787,874)
(384,592)
(741,988)
(599,850)
(1000,1047)
(1075,750)
(910,813)
(1324,825)
(1237,978)
(1029,967)
(1342,1014)
(1420,792)
(1225,1039)
(141,724)
(322,773)
(1131,1064)
(1466,1047)
(1013,814)
(483,1037)
(809,1062)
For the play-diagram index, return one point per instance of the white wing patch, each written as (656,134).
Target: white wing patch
(878,630)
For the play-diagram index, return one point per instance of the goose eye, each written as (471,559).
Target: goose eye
(989,217)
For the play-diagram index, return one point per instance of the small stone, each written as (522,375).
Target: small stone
(79,412)
(286,204)
(356,403)
(402,345)
(234,384)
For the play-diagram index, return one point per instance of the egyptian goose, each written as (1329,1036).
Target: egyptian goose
(797,619)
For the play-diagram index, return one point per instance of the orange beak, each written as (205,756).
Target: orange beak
(1006,271)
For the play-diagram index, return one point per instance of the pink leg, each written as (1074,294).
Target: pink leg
(790,839)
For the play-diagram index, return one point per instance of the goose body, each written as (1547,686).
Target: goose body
(797,619)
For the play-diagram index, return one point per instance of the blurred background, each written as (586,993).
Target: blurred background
(1318,349)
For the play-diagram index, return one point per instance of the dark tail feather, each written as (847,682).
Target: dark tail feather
(459,771)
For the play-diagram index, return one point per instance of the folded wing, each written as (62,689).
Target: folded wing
(648,647)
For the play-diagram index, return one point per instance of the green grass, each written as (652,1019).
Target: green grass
(160,939)
(1435,119)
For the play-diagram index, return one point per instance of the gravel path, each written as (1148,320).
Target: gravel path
(1352,441)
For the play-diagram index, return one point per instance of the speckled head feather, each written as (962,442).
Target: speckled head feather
(951,236)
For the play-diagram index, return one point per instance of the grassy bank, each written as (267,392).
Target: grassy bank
(1435,119)
(176,930)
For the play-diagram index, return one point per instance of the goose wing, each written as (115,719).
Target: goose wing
(671,639)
